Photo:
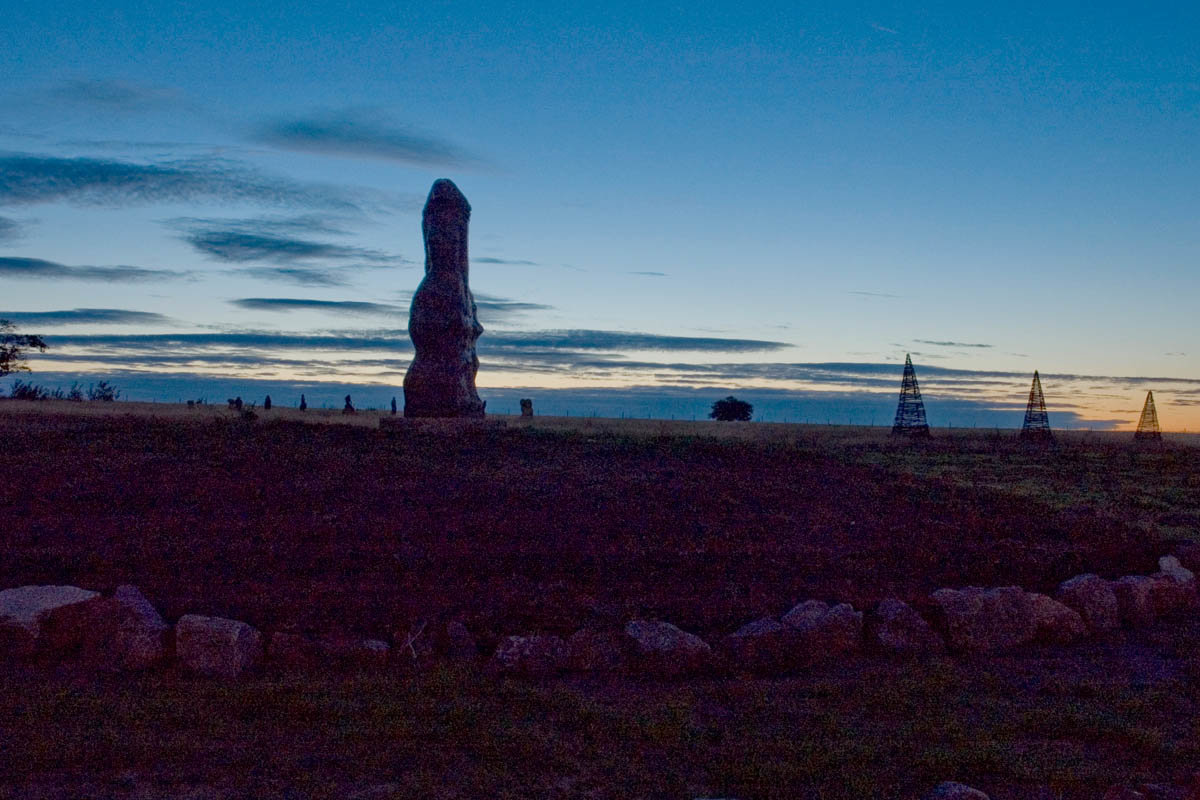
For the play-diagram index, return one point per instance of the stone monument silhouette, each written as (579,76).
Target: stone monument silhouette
(442,321)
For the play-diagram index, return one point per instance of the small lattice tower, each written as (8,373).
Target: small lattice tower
(910,413)
(1037,423)
(1147,429)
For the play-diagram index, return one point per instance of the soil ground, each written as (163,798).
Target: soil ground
(550,524)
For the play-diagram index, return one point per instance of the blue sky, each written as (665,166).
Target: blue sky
(670,201)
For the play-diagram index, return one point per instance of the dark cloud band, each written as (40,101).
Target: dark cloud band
(39,269)
(285,304)
(31,179)
(355,135)
(85,316)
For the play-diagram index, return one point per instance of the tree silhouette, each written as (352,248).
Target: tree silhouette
(13,346)
(731,410)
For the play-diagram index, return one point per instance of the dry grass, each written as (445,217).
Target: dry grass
(546,523)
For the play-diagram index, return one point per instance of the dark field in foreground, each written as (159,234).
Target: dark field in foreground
(528,529)
(510,530)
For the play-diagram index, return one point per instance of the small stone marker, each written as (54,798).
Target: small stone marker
(303,403)
(349,407)
(526,407)
(267,403)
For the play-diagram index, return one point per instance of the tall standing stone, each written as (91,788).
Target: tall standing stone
(442,322)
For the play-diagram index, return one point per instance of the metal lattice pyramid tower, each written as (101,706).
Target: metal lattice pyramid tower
(1037,423)
(910,413)
(1148,425)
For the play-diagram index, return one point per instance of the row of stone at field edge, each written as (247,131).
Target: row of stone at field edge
(125,632)
(966,621)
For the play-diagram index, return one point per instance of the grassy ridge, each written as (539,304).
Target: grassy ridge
(544,528)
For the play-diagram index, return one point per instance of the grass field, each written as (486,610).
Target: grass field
(549,524)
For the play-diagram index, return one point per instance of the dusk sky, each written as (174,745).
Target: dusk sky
(671,202)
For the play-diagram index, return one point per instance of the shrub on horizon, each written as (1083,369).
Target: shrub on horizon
(731,410)
(103,391)
(25,390)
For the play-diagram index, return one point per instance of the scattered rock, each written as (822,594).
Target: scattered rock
(765,646)
(349,652)
(1135,600)
(1183,577)
(142,634)
(374,651)
(955,791)
(1171,566)
(895,627)
(976,620)
(595,651)
(826,631)
(1167,594)
(442,322)
(805,614)
(217,647)
(662,649)
(1094,599)
(1055,622)
(24,612)
(531,656)
(840,631)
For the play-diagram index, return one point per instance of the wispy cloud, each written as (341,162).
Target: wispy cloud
(358,134)
(86,316)
(276,225)
(297,276)
(513,342)
(509,261)
(282,241)
(10,230)
(238,247)
(649,274)
(620,341)
(39,269)
(504,306)
(874,294)
(27,179)
(883,29)
(492,308)
(950,344)
(288,304)
(112,95)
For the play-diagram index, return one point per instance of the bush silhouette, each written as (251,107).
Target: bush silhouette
(13,347)
(731,410)
(103,391)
